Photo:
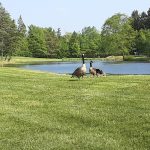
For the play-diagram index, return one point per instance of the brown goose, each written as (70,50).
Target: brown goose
(80,71)
(94,71)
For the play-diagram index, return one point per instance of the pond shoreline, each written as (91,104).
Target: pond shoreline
(67,66)
(118,68)
(31,61)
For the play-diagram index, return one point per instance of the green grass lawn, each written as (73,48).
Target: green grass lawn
(43,111)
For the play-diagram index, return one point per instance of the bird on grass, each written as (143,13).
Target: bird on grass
(92,70)
(95,71)
(80,71)
(100,72)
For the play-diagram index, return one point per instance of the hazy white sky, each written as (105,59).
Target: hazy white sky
(70,15)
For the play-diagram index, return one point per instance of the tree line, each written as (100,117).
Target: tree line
(120,35)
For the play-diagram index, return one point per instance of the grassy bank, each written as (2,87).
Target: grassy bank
(137,58)
(30,60)
(42,111)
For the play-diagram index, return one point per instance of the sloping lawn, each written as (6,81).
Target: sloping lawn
(43,111)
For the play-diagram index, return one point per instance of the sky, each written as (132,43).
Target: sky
(71,15)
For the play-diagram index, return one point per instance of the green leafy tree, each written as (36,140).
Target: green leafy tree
(118,35)
(90,41)
(63,47)
(74,45)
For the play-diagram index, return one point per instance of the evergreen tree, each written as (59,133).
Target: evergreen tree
(58,33)
(143,21)
(52,42)
(136,20)
(22,44)
(21,26)
(8,34)
(143,42)
(148,19)
(36,41)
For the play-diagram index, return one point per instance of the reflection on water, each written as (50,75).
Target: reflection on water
(108,67)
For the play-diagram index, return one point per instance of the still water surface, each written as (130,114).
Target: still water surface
(107,67)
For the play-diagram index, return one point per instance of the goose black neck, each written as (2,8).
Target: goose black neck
(83,59)
(90,64)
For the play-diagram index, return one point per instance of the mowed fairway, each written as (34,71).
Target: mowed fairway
(43,111)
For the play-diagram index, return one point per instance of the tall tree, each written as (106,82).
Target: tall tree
(143,42)
(58,32)
(36,41)
(52,42)
(148,19)
(63,47)
(21,26)
(118,35)
(90,41)
(74,45)
(136,20)
(143,21)
(8,34)
(22,44)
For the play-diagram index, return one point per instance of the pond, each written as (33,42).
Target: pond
(107,67)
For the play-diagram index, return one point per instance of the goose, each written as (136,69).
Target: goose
(95,71)
(100,72)
(92,70)
(80,71)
